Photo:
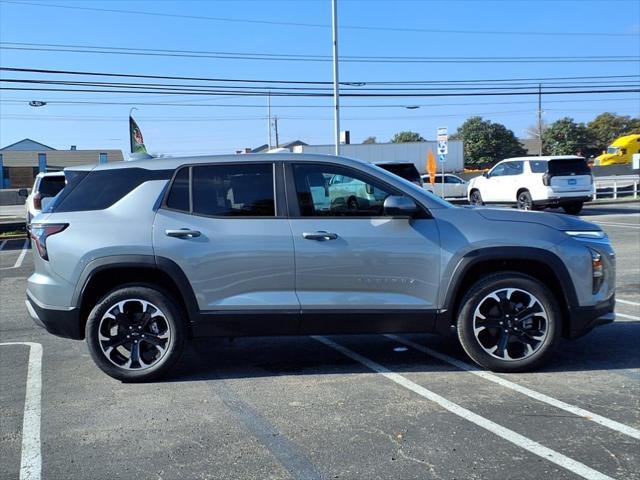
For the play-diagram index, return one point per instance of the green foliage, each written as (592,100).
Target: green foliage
(369,140)
(606,127)
(566,137)
(404,137)
(486,142)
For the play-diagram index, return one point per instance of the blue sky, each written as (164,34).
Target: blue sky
(220,129)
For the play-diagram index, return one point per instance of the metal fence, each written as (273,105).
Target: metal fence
(616,187)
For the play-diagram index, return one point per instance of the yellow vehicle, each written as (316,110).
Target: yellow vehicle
(620,151)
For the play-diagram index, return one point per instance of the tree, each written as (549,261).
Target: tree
(404,137)
(486,142)
(566,137)
(606,127)
(369,140)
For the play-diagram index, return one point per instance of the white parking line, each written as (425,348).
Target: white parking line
(503,432)
(2,244)
(31,459)
(20,258)
(627,302)
(623,225)
(627,318)
(587,415)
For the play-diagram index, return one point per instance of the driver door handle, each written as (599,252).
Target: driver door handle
(320,235)
(182,233)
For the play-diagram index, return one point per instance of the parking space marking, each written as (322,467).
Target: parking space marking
(31,458)
(509,435)
(2,244)
(628,302)
(587,415)
(20,258)
(622,225)
(627,318)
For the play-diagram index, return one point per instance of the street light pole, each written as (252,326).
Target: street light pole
(540,119)
(336,92)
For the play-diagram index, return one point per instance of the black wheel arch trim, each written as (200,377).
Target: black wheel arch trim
(456,272)
(163,264)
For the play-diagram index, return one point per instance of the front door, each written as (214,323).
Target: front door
(220,225)
(357,269)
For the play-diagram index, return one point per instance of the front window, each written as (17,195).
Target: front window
(323,191)
(613,150)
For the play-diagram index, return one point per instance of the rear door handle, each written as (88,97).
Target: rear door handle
(320,236)
(182,233)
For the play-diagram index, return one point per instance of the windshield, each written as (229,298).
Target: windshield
(613,150)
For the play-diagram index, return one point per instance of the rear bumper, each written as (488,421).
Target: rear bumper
(63,323)
(559,199)
(584,319)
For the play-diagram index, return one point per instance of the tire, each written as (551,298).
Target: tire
(143,347)
(352,204)
(475,198)
(524,200)
(573,208)
(541,328)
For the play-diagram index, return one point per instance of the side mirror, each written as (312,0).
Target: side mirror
(485,174)
(397,206)
(23,192)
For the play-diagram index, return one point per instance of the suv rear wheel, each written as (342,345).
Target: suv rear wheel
(509,322)
(524,200)
(135,334)
(573,208)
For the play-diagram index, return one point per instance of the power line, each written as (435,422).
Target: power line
(322,25)
(314,58)
(532,80)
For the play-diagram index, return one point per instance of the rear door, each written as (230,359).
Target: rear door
(223,227)
(358,270)
(570,176)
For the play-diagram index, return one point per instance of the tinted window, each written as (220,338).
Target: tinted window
(50,186)
(569,167)
(322,191)
(538,166)
(99,189)
(408,171)
(234,190)
(178,198)
(513,168)
(452,179)
(498,170)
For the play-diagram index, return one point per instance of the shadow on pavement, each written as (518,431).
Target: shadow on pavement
(612,347)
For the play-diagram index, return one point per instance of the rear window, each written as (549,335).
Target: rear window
(51,186)
(99,189)
(576,166)
(408,171)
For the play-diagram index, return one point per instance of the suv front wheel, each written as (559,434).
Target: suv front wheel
(509,322)
(135,334)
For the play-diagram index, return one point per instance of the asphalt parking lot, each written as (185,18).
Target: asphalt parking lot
(359,407)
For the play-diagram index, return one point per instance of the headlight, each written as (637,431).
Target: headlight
(597,270)
(586,233)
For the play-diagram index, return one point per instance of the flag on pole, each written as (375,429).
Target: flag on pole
(431,167)
(135,135)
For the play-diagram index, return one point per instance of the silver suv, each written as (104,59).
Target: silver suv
(137,257)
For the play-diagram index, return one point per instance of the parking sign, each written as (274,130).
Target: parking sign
(443,141)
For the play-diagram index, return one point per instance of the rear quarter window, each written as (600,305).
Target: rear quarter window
(100,189)
(538,166)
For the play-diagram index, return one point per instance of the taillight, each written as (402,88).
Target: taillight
(37,201)
(546,179)
(41,231)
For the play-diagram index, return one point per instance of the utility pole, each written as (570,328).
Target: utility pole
(275,126)
(336,92)
(269,118)
(539,119)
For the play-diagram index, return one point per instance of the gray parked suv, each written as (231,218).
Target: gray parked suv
(137,257)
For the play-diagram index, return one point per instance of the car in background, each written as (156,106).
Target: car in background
(406,170)
(532,183)
(454,186)
(351,194)
(45,185)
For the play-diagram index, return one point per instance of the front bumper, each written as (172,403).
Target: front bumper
(584,319)
(63,323)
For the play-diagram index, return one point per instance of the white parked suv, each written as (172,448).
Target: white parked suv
(536,182)
(46,185)
(454,186)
